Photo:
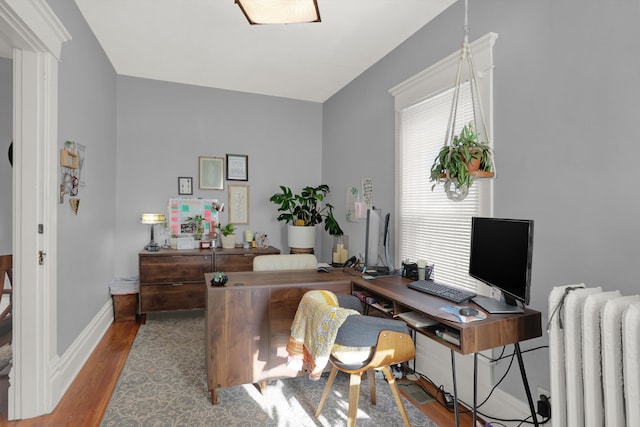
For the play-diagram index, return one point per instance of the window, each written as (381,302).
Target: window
(428,224)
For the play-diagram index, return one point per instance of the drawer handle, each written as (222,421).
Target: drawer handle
(176,284)
(248,254)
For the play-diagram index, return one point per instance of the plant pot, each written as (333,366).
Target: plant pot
(473,165)
(228,242)
(301,237)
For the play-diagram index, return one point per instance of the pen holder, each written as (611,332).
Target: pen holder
(410,270)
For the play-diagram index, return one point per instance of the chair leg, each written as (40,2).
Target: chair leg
(354,394)
(325,393)
(396,395)
(371,377)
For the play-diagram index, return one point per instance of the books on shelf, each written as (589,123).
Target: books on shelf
(383,306)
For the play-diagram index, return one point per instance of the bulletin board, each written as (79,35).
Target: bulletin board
(180,209)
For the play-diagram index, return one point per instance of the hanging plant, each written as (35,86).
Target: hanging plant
(463,156)
(463,160)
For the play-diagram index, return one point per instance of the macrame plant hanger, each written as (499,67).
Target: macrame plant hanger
(459,193)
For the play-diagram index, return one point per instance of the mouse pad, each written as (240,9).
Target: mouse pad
(453,313)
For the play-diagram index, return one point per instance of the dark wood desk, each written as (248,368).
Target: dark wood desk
(496,330)
(249,321)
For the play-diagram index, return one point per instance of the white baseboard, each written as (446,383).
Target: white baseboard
(65,369)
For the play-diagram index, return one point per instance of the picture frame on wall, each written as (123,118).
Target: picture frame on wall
(238,203)
(185,185)
(211,173)
(237,167)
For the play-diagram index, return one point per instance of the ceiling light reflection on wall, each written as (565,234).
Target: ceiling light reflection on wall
(279,11)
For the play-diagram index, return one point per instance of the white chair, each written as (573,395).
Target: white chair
(285,262)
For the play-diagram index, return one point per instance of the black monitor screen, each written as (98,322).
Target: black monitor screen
(501,253)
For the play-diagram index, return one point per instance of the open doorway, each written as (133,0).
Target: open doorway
(6,225)
(34,36)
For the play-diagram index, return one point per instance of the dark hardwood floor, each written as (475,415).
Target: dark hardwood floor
(85,403)
(86,400)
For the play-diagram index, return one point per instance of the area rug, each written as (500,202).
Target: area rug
(163,383)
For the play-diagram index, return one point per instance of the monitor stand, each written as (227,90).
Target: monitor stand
(494,306)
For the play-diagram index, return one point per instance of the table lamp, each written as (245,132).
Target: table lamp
(152,220)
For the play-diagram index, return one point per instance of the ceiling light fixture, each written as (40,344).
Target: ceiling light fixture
(279,11)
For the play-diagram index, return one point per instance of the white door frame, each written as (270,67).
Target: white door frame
(36,35)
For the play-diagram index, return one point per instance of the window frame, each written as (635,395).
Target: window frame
(433,81)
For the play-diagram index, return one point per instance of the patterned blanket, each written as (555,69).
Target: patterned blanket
(314,330)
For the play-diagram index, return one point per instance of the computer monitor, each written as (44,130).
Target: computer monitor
(500,256)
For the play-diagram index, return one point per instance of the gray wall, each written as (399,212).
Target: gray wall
(87,115)
(164,127)
(566,148)
(6,172)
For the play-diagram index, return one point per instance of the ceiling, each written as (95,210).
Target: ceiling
(210,43)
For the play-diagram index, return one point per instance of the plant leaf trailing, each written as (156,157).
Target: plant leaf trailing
(306,208)
(451,161)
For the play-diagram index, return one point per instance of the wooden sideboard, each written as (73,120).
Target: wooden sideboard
(172,279)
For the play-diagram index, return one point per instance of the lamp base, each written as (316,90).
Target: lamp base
(152,247)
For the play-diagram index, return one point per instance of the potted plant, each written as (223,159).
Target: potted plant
(302,212)
(228,237)
(198,223)
(463,160)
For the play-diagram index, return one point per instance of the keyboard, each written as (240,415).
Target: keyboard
(443,291)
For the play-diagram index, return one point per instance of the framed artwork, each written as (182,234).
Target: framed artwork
(185,185)
(211,172)
(81,150)
(237,167)
(238,204)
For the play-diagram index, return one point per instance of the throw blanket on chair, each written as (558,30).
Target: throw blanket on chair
(314,330)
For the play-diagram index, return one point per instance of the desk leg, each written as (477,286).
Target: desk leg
(475,388)
(455,388)
(526,384)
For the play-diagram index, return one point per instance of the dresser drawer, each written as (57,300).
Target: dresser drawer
(172,296)
(175,268)
(234,262)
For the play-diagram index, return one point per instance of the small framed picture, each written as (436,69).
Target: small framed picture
(238,203)
(237,167)
(185,185)
(211,171)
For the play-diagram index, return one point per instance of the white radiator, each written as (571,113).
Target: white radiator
(594,354)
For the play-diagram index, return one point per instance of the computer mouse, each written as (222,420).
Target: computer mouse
(468,311)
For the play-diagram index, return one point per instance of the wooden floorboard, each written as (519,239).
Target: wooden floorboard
(86,400)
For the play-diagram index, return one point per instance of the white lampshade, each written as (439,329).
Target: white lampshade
(151,218)
(279,11)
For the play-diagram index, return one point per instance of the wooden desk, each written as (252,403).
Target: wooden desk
(249,321)
(496,330)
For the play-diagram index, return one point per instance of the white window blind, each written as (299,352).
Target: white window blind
(429,225)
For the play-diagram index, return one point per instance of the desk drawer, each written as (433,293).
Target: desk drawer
(172,297)
(175,268)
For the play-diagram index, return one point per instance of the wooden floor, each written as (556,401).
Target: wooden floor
(85,403)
